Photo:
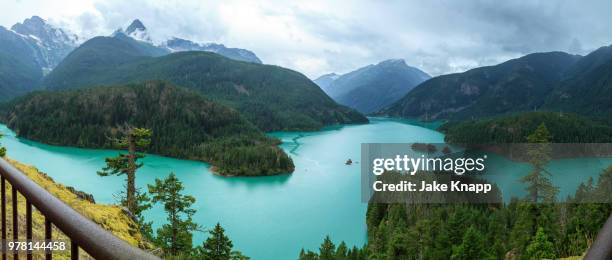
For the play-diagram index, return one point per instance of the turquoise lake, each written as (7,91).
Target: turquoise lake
(274,217)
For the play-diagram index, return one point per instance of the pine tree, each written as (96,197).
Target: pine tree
(540,247)
(176,236)
(355,253)
(135,140)
(341,251)
(539,186)
(218,246)
(472,246)
(327,249)
(604,187)
(307,255)
(524,225)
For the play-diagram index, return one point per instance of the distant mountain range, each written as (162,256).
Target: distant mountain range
(552,81)
(271,97)
(178,44)
(138,31)
(31,49)
(28,51)
(374,87)
(36,55)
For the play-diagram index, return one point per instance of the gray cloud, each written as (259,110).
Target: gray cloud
(317,37)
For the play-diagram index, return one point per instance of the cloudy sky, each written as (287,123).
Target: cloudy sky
(317,37)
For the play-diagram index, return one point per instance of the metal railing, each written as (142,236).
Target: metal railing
(82,232)
(602,247)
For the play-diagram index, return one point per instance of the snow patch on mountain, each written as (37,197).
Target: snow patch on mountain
(137,31)
(49,43)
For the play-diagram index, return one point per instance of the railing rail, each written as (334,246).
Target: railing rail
(83,232)
(602,247)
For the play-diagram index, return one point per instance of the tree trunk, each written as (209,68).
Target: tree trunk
(174,232)
(131,174)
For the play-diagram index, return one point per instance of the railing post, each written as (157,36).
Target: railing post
(74,250)
(48,237)
(29,226)
(3,198)
(15,219)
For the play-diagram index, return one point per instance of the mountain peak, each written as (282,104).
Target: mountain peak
(136,30)
(325,81)
(332,75)
(393,62)
(136,25)
(52,43)
(34,20)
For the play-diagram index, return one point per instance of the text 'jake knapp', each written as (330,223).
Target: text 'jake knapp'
(434,186)
(422,164)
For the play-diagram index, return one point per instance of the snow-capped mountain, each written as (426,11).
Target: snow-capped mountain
(138,31)
(28,51)
(178,44)
(50,44)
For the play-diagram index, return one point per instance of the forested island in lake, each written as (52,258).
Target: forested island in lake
(184,124)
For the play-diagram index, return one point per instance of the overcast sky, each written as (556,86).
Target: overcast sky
(317,37)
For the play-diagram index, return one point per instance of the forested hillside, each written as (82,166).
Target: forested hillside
(564,128)
(517,230)
(184,123)
(516,85)
(588,87)
(96,56)
(271,97)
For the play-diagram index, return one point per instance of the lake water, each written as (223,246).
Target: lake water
(274,217)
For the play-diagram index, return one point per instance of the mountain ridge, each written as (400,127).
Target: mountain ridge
(54,42)
(325,80)
(520,84)
(138,31)
(272,97)
(374,87)
(28,51)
